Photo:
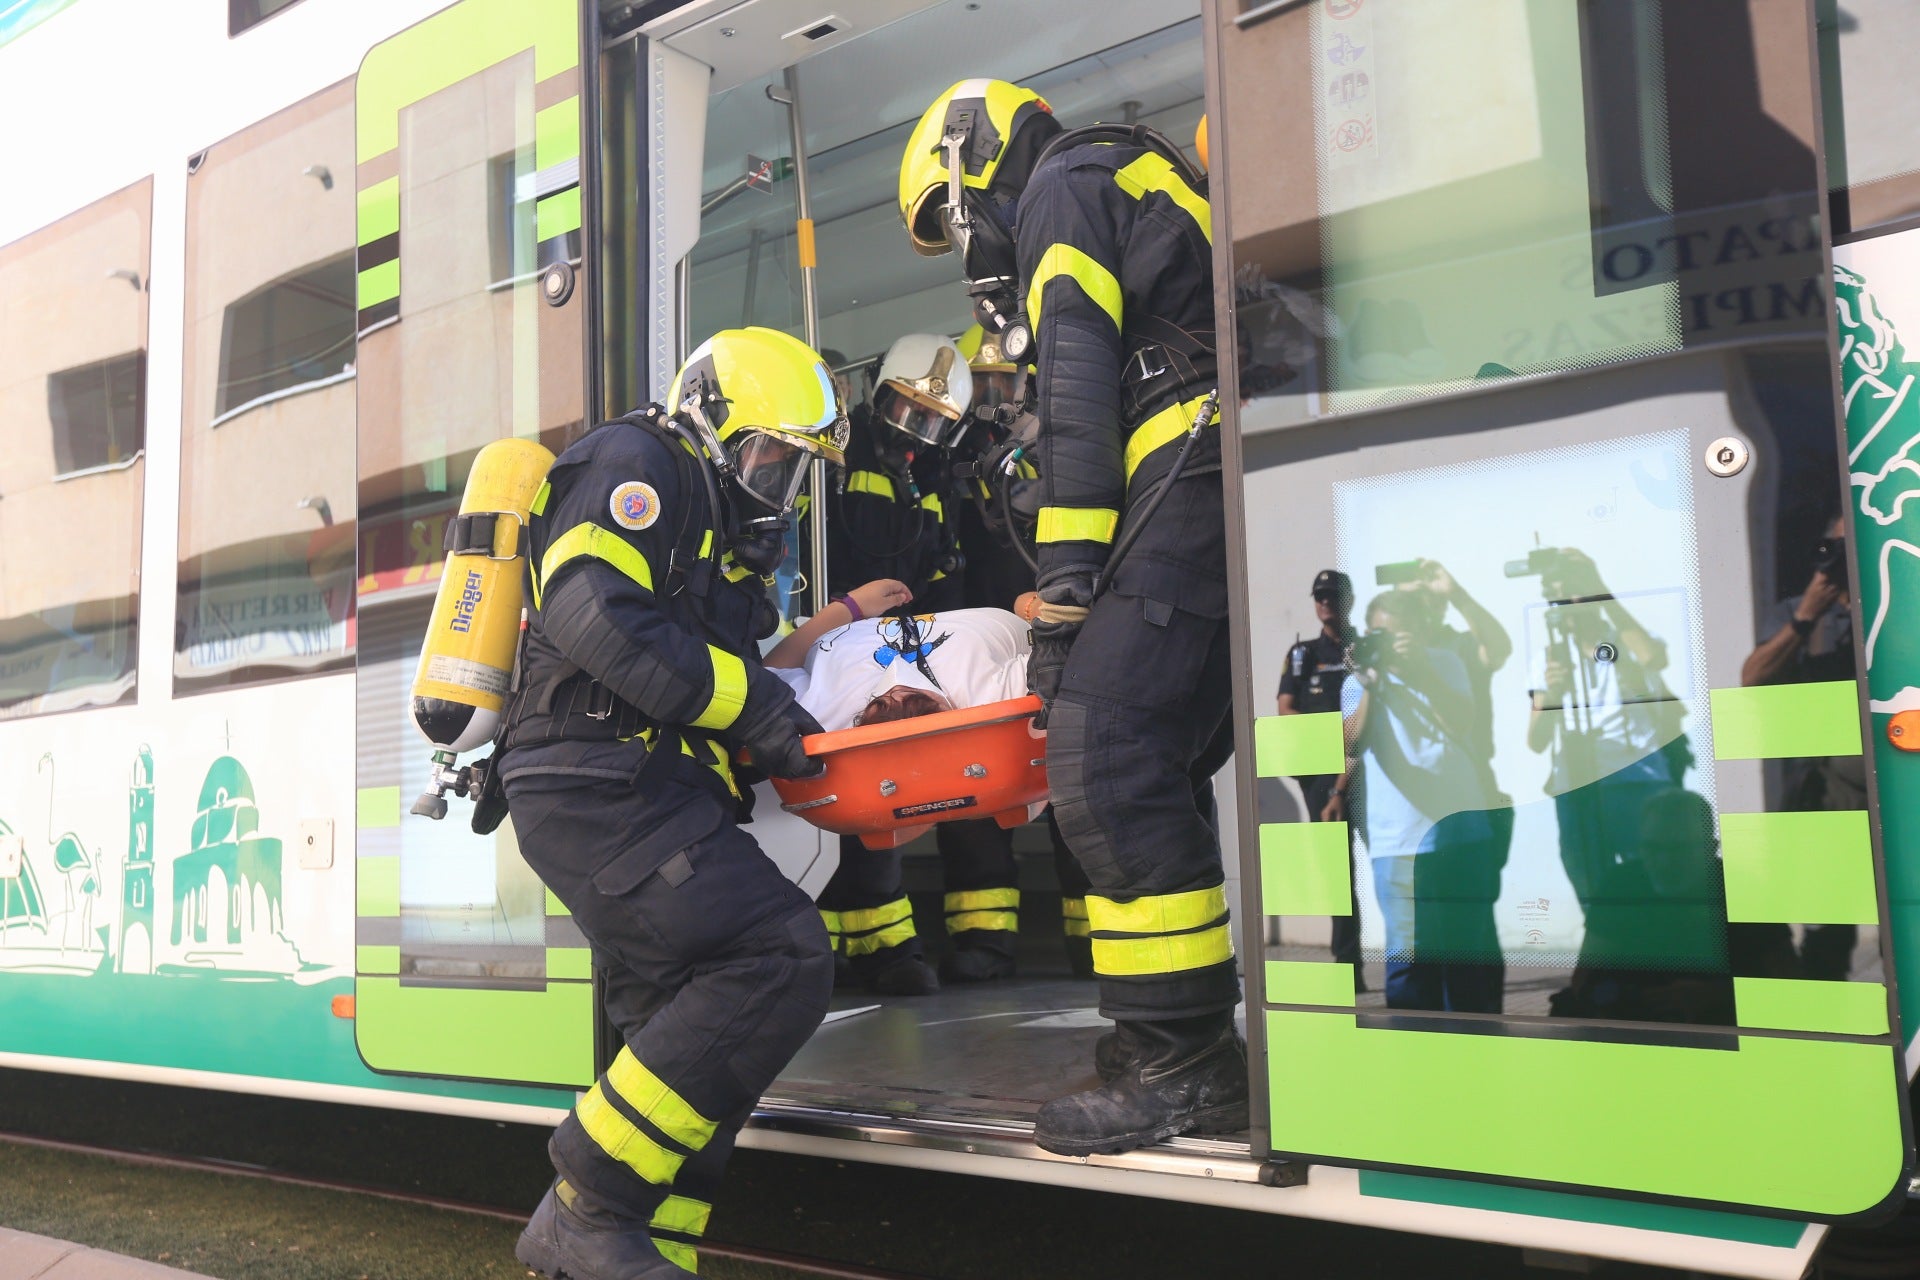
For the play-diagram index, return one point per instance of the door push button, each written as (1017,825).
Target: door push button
(1728,456)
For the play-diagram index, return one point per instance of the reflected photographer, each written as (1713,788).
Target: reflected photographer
(1436,829)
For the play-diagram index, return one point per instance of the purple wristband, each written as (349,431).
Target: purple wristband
(852,608)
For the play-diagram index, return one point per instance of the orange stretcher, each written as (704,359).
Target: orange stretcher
(888,783)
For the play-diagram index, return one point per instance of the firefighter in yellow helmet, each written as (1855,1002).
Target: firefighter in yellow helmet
(642,684)
(1091,254)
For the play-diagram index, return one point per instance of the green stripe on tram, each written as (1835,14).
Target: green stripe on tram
(1299,745)
(1799,868)
(533,1037)
(379,210)
(556,134)
(1304,870)
(450,46)
(1783,721)
(1802,1004)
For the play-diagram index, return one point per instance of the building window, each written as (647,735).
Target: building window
(268,528)
(296,332)
(242,14)
(98,413)
(73,337)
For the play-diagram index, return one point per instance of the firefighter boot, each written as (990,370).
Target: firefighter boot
(1112,1055)
(979,955)
(896,971)
(575,1236)
(1186,1076)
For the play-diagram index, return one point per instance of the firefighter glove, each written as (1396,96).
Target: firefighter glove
(770,728)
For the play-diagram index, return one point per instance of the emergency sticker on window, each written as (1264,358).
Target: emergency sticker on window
(635,505)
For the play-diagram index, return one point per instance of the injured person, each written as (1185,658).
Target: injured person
(854,663)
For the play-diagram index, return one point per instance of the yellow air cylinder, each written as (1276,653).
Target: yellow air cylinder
(466,663)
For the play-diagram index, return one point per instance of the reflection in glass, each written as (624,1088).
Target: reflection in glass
(267,502)
(468,354)
(73,338)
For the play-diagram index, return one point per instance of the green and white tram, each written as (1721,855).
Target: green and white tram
(1595,303)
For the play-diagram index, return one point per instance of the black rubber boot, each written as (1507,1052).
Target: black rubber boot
(573,1236)
(1187,1076)
(979,955)
(1112,1055)
(896,971)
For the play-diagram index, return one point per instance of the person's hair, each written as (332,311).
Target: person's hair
(882,710)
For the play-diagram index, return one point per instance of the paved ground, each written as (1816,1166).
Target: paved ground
(30,1257)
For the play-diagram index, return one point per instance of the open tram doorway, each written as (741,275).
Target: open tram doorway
(729,174)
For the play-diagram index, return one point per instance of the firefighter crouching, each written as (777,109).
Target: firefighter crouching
(641,683)
(1108,249)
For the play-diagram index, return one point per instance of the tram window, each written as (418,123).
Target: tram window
(98,413)
(73,337)
(243,14)
(1873,160)
(267,494)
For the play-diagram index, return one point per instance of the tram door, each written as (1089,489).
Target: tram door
(1534,344)
(469,331)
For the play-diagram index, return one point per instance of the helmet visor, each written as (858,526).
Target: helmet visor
(995,385)
(771,468)
(928,426)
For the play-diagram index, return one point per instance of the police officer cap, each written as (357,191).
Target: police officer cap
(1332,582)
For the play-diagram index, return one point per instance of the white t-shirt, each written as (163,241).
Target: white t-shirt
(976,656)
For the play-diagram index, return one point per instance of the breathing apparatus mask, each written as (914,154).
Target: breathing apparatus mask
(978,232)
(761,471)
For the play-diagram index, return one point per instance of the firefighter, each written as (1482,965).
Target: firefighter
(890,521)
(997,571)
(642,683)
(1098,258)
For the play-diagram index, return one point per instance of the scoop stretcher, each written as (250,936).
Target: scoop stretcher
(888,783)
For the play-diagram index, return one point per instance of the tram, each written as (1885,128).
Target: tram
(1577,322)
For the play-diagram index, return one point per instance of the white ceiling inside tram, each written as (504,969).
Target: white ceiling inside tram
(1093,59)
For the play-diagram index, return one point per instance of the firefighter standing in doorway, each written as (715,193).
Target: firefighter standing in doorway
(641,684)
(1108,250)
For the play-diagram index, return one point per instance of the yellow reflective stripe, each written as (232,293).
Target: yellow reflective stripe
(1163,427)
(864,918)
(831,919)
(1152,172)
(1005,921)
(871,482)
(739,573)
(983,900)
(539,507)
(620,1138)
(602,544)
(1162,913)
(680,1254)
(706,544)
(1134,957)
(648,1094)
(716,760)
(1073,908)
(891,936)
(729,691)
(1094,280)
(682,1214)
(931,502)
(1075,928)
(1076,524)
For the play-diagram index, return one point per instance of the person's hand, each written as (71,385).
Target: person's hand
(1335,809)
(770,727)
(1822,594)
(1437,579)
(1558,676)
(881,595)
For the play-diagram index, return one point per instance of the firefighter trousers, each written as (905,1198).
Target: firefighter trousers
(869,914)
(715,968)
(1139,728)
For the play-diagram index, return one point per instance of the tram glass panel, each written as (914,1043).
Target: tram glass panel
(1532,345)
(267,486)
(73,364)
(1873,171)
(990,1051)
(467,176)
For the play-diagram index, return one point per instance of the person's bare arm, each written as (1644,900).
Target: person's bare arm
(1284,705)
(1783,646)
(874,598)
